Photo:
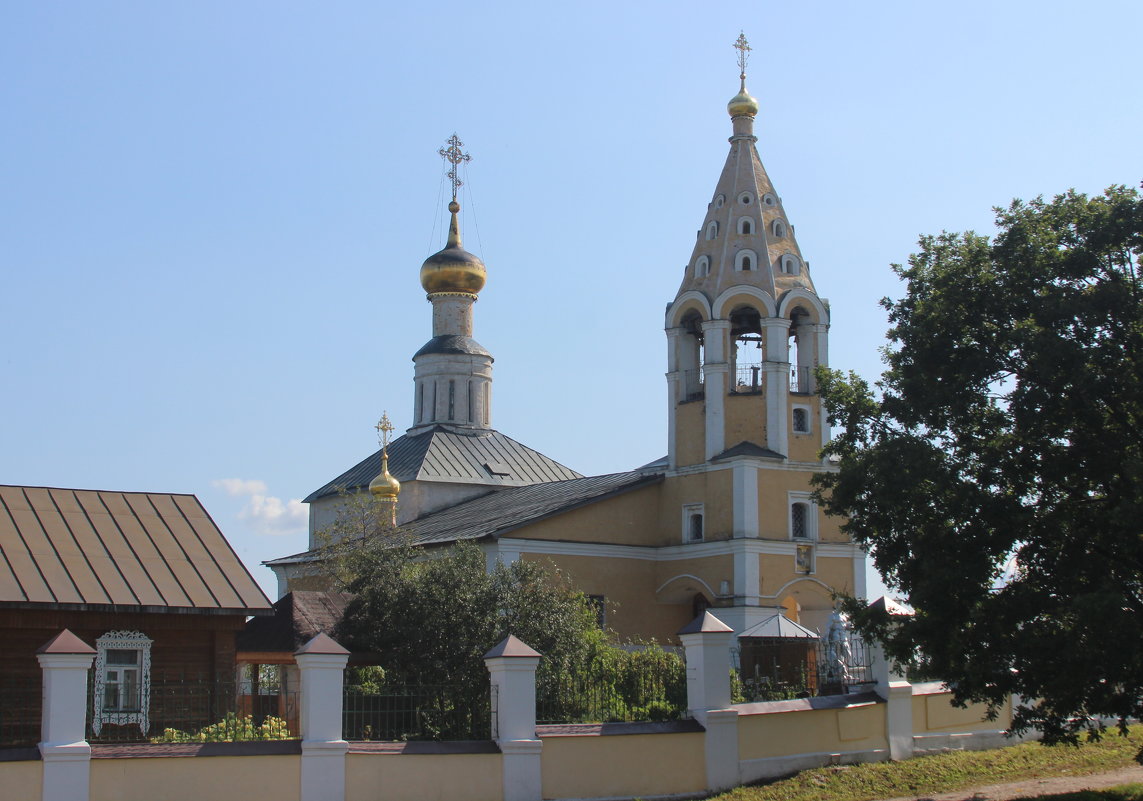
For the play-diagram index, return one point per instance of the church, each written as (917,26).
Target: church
(725,521)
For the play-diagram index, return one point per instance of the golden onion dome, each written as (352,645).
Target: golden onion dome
(742,104)
(384,486)
(453,269)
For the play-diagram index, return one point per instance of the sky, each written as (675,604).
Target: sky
(213,214)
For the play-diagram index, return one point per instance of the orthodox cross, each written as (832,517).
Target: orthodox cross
(384,429)
(453,155)
(743,48)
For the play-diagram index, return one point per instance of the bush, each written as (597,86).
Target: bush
(230,729)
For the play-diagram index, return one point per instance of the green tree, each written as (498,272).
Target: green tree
(996,469)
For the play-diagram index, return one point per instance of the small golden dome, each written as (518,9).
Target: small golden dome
(384,486)
(742,104)
(453,269)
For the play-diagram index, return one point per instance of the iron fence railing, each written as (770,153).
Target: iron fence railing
(20,700)
(748,379)
(693,385)
(798,668)
(417,712)
(177,708)
(599,696)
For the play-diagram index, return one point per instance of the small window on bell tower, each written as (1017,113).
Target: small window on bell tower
(693,523)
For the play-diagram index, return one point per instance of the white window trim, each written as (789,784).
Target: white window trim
(791,264)
(746,198)
(743,222)
(702,267)
(809,419)
(711,230)
(754,265)
(778,229)
(811,516)
(128,640)
(690,509)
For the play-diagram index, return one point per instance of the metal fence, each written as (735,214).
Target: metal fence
(748,379)
(601,696)
(417,712)
(798,668)
(177,708)
(20,701)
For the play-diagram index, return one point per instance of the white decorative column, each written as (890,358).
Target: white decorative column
(321,662)
(777,371)
(512,666)
(707,643)
(898,695)
(65,660)
(716,381)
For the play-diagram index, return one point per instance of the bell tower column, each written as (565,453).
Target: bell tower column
(777,377)
(716,379)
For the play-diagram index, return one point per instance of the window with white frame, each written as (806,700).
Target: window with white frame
(693,523)
(745,260)
(712,229)
(746,226)
(803,516)
(122,694)
(702,267)
(801,415)
(779,229)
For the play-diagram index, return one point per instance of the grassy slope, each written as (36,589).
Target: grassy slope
(948,771)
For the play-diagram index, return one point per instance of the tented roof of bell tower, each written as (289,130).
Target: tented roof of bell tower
(746,237)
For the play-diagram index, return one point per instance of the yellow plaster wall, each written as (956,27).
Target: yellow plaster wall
(690,432)
(629,588)
(713,489)
(935,713)
(627,765)
(815,731)
(774,487)
(422,777)
(712,570)
(628,519)
(196,778)
(804,447)
(22,780)
(745,417)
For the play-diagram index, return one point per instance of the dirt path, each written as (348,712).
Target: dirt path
(1035,787)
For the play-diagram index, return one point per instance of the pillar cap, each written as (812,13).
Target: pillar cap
(322,644)
(511,646)
(65,643)
(706,623)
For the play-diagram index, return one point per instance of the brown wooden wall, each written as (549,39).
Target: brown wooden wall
(193,646)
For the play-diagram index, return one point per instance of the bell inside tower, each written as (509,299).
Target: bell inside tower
(747,351)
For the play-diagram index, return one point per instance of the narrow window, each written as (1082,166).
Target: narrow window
(451,399)
(433,414)
(798,521)
(599,603)
(702,267)
(745,226)
(487,403)
(468,401)
(747,264)
(420,401)
(694,531)
(712,230)
(779,229)
(801,420)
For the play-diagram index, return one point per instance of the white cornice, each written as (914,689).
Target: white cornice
(672,553)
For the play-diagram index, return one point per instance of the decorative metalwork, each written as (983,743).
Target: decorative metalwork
(454,156)
(743,48)
(384,429)
(126,641)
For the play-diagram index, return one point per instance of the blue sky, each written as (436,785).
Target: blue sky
(212,214)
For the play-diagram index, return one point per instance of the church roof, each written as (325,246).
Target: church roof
(500,512)
(747,448)
(299,616)
(118,551)
(440,454)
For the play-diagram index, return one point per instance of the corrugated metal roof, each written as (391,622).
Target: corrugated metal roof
(441,454)
(502,511)
(66,547)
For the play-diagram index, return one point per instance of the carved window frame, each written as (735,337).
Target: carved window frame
(130,641)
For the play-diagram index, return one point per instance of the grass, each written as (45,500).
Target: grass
(952,771)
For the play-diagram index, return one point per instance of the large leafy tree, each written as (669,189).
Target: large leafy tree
(996,469)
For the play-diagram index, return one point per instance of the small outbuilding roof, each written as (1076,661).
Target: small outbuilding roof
(298,617)
(780,626)
(118,551)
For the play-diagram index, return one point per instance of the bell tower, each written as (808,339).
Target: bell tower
(747,328)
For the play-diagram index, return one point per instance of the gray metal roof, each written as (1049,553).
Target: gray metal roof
(452,343)
(443,454)
(499,512)
(745,448)
(780,626)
